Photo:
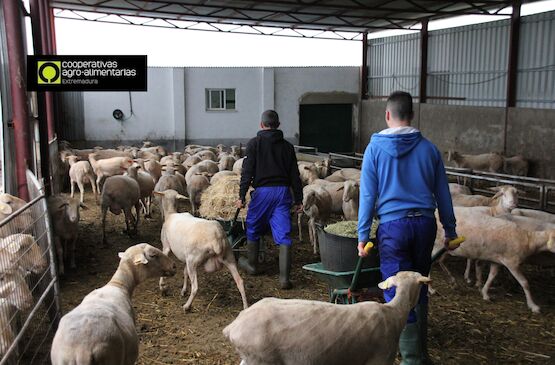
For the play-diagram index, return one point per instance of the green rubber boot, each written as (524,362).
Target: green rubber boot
(285,266)
(413,343)
(249,263)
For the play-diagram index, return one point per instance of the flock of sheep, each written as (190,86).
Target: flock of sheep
(102,328)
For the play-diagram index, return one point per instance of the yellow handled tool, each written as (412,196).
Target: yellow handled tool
(368,247)
(453,244)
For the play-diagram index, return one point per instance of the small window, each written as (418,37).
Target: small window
(220,99)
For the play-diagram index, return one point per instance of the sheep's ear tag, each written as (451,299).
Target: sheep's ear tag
(121,254)
(384,284)
(140,259)
(5,208)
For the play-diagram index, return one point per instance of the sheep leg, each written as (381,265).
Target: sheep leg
(493,270)
(81,190)
(519,276)
(479,276)
(93,187)
(229,262)
(467,270)
(104,211)
(138,213)
(192,270)
(185,278)
(60,254)
(446,270)
(128,220)
(72,188)
(299,215)
(98,179)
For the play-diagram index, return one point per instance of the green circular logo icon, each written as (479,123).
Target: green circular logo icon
(49,72)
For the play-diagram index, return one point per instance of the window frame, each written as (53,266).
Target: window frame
(223,93)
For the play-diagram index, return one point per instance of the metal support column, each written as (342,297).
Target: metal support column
(423,60)
(364,68)
(15,41)
(46,49)
(512,67)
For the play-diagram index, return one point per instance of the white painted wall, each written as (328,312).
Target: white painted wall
(173,108)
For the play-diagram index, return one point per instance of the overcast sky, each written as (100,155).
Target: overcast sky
(178,47)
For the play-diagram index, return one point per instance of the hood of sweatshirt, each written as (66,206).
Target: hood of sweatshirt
(274,135)
(397,145)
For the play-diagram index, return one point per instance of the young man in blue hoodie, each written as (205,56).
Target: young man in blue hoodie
(402,182)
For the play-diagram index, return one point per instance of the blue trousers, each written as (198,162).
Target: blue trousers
(270,208)
(406,245)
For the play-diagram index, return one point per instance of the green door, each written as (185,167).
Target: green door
(327,127)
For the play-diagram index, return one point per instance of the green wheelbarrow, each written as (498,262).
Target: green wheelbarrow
(237,237)
(345,287)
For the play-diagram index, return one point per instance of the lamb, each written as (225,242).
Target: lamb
(195,242)
(238,166)
(537,214)
(308,173)
(351,194)
(108,167)
(317,205)
(459,189)
(20,251)
(64,213)
(516,165)
(101,330)
(325,333)
(344,175)
(146,186)
(226,163)
(196,186)
(322,167)
(121,193)
(80,173)
(14,296)
(501,242)
(492,162)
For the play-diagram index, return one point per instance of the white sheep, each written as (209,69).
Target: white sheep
(80,173)
(459,189)
(220,175)
(335,189)
(317,205)
(516,165)
(351,194)
(198,183)
(308,332)
(536,214)
(492,162)
(64,213)
(238,166)
(108,167)
(308,173)
(146,186)
(499,241)
(195,242)
(101,330)
(344,175)
(20,251)
(226,163)
(10,204)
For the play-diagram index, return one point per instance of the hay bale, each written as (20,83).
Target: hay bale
(218,200)
(349,229)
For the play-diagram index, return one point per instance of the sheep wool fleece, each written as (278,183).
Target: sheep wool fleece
(269,207)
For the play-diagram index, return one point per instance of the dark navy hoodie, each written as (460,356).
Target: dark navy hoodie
(403,173)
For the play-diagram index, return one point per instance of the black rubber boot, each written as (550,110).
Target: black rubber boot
(249,263)
(422,318)
(285,266)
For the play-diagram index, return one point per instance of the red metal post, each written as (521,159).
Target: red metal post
(17,71)
(46,49)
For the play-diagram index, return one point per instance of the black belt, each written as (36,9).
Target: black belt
(414,213)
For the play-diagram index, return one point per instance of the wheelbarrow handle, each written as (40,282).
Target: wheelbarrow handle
(354,282)
(453,244)
(235,216)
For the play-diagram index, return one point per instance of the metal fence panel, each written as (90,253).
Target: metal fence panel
(29,301)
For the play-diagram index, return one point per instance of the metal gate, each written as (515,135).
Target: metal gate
(29,291)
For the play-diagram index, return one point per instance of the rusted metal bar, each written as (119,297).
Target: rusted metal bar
(16,61)
(46,49)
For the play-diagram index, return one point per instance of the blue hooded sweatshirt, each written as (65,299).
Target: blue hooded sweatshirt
(403,173)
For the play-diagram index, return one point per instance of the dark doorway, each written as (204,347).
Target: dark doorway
(327,127)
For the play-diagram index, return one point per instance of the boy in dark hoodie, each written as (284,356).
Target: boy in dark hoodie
(402,182)
(270,166)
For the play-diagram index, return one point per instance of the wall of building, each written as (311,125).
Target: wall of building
(474,130)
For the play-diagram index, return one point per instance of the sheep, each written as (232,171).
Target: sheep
(221,148)
(206,154)
(146,185)
(101,330)
(191,161)
(492,162)
(199,169)
(14,296)
(108,167)
(226,163)
(10,204)
(20,251)
(210,166)
(154,168)
(196,242)
(317,205)
(170,180)
(325,333)
(501,242)
(308,173)
(219,175)
(335,189)
(537,214)
(344,175)
(463,200)
(64,213)
(196,186)
(236,151)
(516,165)
(351,194)
(102,154)
(238,166)
(459,189)
(81,172)
(120,193)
